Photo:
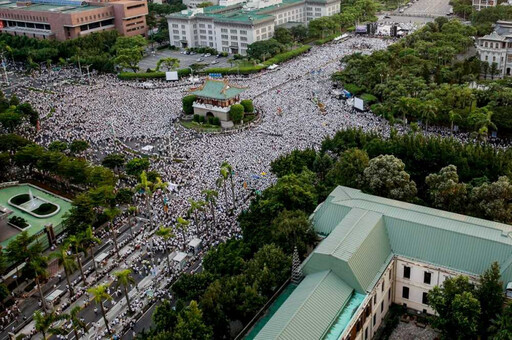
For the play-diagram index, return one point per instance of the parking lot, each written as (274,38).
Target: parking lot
(185,60)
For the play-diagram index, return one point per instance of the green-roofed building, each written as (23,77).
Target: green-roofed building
(214,99)
(231,25)
(377,251)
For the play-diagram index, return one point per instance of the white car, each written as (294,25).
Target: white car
(207,55)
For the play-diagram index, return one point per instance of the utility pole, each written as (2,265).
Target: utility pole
(88,74)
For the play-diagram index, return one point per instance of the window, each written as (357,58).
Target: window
(175,25)
(176,31)
(374,299)
(234,37)
(405,292)
(243,32)
(232,31)
(424,298)
(366,333)
(407,272)
(427,278)
(202,31)
(224,30)
(243,39)
(389,274)
(382,287)
(224,36)
(225,43)
(374,319)
(382,306)
(389,294)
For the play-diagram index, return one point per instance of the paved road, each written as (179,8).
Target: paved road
(185,60)
(428,7)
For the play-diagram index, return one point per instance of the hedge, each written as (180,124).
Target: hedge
(327,39)
(368,98)
(280,58)
(182,72)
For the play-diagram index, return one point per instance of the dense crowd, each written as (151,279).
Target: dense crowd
(299,111)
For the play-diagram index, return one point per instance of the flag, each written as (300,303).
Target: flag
(245,185)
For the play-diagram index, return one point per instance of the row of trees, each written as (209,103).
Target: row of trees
(442,173)
(13,113)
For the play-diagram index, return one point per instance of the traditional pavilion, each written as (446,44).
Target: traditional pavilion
(214,99)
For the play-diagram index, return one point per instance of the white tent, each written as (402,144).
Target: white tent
(180,259)
(195,245)
(54,296)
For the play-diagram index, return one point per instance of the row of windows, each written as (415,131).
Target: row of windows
(427,276)
(25,17)
(28,25)
(405,295)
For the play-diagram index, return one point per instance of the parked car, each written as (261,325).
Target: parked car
(199,59)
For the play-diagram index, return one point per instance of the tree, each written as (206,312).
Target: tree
(230,171)
(204,4)
(78,146)
(190,324)
(348,170)
(136,166)
(491,297)
(58,145)
(292,229)
(445,191)
(22,249)
(248,105)
(168,63)
(89,241)
(111,214)
(68,263)
(236,113)
(10,120)
(210,197)
(299,32)
(501,325)
(99,294)
(165,317)
(269,269)
(76,321)
(192,286)
(481,120)
(36,267)
(195,206)
(385,176)
(137,41)
(429,111)
(128,58)
(77,245)
(264,49)
(492,200)
(113,161)
(457,308)
(165,234)
(283,35)
(43,323)
(187,102)
(125,279)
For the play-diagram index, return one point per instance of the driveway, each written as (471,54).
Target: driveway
(185,60)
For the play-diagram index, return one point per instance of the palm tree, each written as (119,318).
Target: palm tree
(403,107)
(148,188)
(182,225)
(429,111)
(37,266)
(75,241)
(230,171)
(220,182)
(111,214)
(452,115)
(165,234)
(481,119)
(21,250)
(89,241)
(195,206)
(76,322)
(67,262)
(125,279)
(485,68)
(132,211)
(211,199)
(44,323)
(501,326)
(100,295)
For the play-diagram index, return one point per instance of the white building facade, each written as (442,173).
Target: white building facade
(232,28)
(497,48)
(480,4)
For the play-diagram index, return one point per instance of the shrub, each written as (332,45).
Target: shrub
(20,199)
(248,106)
(368,98)
(210,120)
(45,208)
(216,121)
(196,118)
(20,222)
(353,89)
(187,102)
(150,75)
(202,119)
(236,113)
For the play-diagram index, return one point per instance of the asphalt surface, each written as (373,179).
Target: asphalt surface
(428,7)
(185,60)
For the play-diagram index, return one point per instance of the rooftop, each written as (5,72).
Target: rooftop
(235,13)
(362,234)
(217,89)
(66,6)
